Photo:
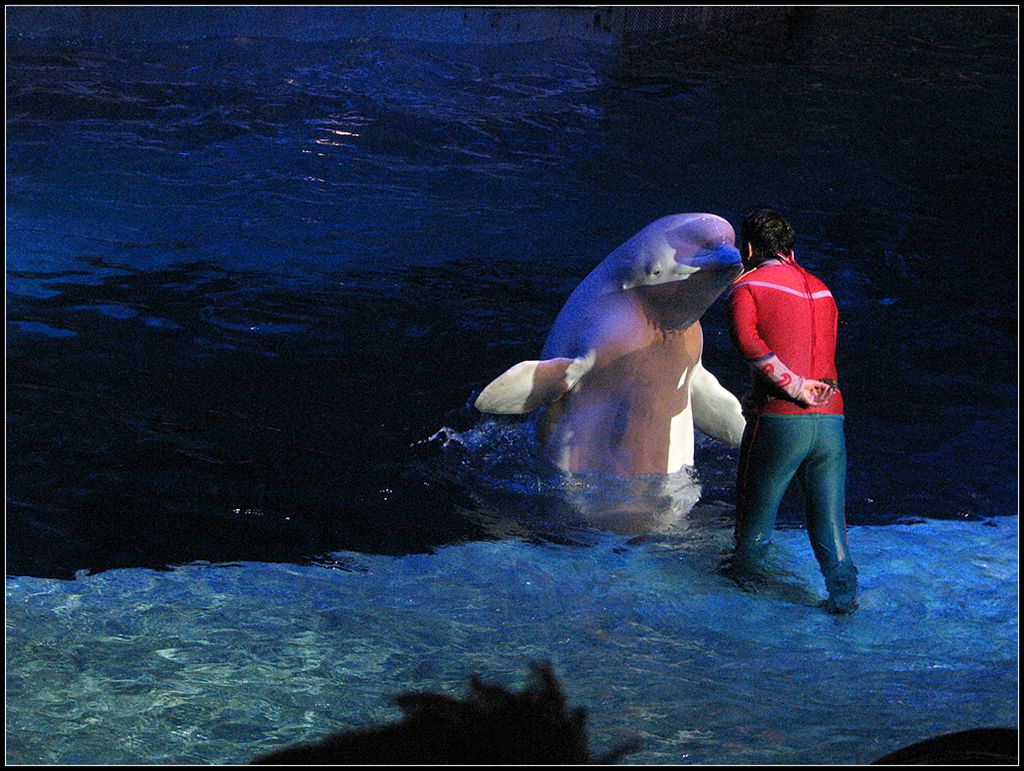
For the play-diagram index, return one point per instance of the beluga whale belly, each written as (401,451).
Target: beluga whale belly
(620,386)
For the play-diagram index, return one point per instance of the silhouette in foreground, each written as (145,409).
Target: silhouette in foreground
(977,746)
(492,726)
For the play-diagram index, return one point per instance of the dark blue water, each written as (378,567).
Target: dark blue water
(249,279)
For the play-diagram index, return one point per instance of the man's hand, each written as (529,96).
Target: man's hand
(805,391)
(814,393)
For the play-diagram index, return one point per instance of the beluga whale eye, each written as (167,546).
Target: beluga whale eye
(654,268)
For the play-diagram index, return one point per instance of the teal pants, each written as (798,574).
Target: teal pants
(774,450)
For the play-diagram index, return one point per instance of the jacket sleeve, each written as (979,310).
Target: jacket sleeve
(743,330)
(743,325)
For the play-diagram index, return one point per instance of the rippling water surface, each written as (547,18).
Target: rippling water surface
(211,664)
(253,286)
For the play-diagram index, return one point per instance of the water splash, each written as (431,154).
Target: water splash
(504,467)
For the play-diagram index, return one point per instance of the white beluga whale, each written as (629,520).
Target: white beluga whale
(620,385)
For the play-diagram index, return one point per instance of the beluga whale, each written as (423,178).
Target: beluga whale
(620,384)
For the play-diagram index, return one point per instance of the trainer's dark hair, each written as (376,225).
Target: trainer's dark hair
(768,233)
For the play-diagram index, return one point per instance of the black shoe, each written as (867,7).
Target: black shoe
(842,606)
(841,583)
(746,572)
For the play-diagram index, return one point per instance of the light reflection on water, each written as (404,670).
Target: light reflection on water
(216,664)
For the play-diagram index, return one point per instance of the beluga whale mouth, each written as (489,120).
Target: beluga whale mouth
(721,257)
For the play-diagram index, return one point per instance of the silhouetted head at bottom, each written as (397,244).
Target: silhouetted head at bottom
(976,746)
(492,726)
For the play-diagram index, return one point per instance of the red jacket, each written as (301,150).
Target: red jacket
(780,308)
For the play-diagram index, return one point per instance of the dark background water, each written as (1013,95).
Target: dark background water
(246,277)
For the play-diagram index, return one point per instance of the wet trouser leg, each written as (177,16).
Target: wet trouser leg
(771,452)
(822,478)
(775,448)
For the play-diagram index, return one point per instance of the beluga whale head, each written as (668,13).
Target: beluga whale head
(678,266)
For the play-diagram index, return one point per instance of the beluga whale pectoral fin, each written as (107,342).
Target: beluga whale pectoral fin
(716,411)
(531,384)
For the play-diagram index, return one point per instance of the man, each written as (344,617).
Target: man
(783,320)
